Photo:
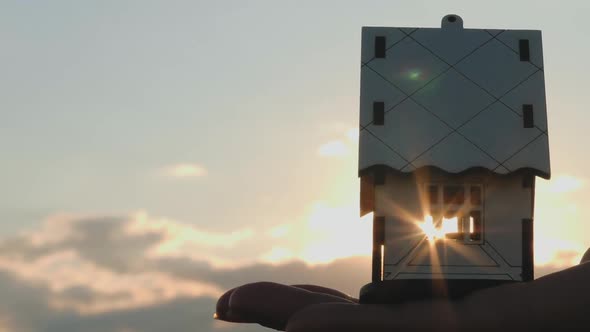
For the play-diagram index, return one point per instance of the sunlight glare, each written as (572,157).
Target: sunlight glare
(449,226)
(334,232)
(428,228)
(432,232)
(382,260)
(557,252)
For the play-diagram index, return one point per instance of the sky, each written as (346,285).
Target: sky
(157,153)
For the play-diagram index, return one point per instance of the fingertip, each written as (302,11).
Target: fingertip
(250,295)
(222,305)
(230,305)
(254,303)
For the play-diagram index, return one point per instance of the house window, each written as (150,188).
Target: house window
(527,116)
(453,194)
(380,47)
(459,214)
(475,195)
(433,194)
(524,51)
(475,226)
(378,113)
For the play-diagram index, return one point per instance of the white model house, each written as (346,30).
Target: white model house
(453,132)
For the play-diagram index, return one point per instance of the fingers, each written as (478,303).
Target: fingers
(342,317)
(556,301)
(325,290)
(268,304)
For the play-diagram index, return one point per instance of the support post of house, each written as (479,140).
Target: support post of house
(528,264)
(378,241)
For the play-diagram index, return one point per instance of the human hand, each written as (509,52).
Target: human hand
(556,301)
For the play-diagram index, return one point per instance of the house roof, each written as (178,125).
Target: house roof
(453,98)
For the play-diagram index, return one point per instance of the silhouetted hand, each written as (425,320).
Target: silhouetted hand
(557,301)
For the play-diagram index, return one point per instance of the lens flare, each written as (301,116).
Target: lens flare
(428,228)
(449,226)
(414,74)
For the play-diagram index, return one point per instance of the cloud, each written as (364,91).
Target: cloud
(562,184)
(353,135)
(138,257)
(560,218)
(336,232)
(27,308)
(561,259)
(120,243)
(347,274)
(82,285)
(279,231)
(277,254)
(111,253)
(140,225)
(336,148)
(100,275)
(112,257)
(340,147)
(557,252)
(185,171)
(181,239)
(111,273)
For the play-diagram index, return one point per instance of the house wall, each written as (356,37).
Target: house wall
(507,204)
(402,200)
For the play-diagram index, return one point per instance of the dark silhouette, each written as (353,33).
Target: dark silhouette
(557,301)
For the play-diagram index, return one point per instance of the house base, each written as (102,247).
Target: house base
(404,290)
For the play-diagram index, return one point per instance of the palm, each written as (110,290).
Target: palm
(555,301)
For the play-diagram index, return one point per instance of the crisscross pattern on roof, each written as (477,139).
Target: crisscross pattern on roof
(453,99)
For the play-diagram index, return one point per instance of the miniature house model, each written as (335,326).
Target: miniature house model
(453,132)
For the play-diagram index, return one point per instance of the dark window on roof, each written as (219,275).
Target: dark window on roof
(527,116)
(433,194)
(523,46)
(378,113)
(475,194)
(380,47)
(453,195)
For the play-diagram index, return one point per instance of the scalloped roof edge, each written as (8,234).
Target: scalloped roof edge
(526,170)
